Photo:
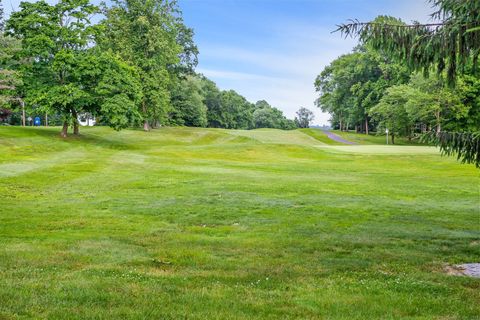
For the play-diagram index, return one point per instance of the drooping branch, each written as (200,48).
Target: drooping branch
(452,44)
(465,145)
(355,27)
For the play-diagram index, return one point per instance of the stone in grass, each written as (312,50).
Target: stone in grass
(466,269)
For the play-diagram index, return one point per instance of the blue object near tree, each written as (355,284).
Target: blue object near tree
(37,121)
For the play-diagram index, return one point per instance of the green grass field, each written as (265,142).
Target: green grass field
(188,223)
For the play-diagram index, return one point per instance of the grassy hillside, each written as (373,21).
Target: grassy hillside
(216,224)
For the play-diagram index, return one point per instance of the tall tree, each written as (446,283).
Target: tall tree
(304,117)
(64,72)
(354,83)
(188,103)
(391,112)
(213,101)
(237,112)
(433,103)
(266,116)
(150,36)
(54,39)
(451,43)
(10,78)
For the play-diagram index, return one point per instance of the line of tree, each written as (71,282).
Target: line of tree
(414,79)
(134,67)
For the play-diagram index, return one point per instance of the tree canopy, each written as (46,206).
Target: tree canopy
(450,45)
(136,65)
(451,42)
(304,117)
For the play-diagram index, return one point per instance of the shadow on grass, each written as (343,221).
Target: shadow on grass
(85,138)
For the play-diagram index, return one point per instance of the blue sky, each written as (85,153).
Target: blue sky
(274,49)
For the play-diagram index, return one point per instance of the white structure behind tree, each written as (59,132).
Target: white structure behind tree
(86,119)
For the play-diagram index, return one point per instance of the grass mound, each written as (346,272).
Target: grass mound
(218,224)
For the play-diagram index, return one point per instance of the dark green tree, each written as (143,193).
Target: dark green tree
(64,73)
(354,83)
(150,36)
(213,101)
(237,112)
(266,116)
(54,40)
(188,103)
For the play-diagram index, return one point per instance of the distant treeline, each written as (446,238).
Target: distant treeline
(136,66)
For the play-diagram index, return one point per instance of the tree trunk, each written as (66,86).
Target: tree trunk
(341,129)
(23,113)
(393,138)
(146,127)
(348,125)
(356,128)
(439,126)
(366,125)
(63,134)
(46,119)
(75,123)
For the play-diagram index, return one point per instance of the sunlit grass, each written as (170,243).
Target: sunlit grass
(217,224)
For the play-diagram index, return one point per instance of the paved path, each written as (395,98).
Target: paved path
(337,138)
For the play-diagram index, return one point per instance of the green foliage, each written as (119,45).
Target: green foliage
(55,41)
(468,87)
(465,145)
(212,99)
(10,76)
(265,116)
(304,117)
(237,112)
(145,34)
(136,65)
(118,92)
(2,23)
(450,44)
(390,113)
(423,103)
(433,103)
(354,83)
(188,107)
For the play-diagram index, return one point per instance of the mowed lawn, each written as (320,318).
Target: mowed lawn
(187,223)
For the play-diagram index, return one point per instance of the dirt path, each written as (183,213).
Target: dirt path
(337,138)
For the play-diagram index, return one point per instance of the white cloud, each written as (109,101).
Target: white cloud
(284,75)
(283,69)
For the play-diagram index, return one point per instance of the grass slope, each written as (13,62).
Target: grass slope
(216,224)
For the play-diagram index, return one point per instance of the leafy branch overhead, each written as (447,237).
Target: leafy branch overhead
(451,42)
(465,145)
(449,45)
